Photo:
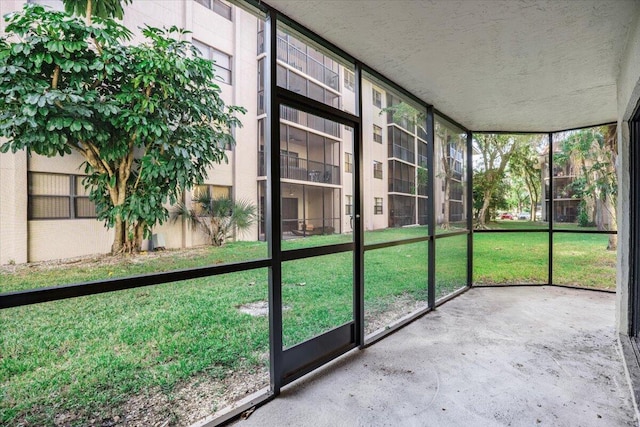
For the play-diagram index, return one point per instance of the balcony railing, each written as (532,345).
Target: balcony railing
(456,195)
(304,63)
(401,186)
(402,153)
(260,42)
(305,227)
(564,193)
(317,123)
(421,133)
(300,169)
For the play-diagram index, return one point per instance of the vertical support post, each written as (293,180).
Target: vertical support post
(358,224)
(633,323)
(273,225)
(469,203)
(431,263)
(551,211)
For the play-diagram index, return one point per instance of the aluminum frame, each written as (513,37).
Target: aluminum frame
(633,326)
(286,365)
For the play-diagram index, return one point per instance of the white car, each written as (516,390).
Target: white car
(526,216)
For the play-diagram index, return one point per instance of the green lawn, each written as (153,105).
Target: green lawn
(86,356)
(512,258)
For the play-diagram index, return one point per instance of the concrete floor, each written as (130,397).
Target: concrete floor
(519,356)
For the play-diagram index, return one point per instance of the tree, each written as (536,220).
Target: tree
(498,196)
(496,151)
(594,153)
(148,119)
(525,164)
(517,194)
(218,218)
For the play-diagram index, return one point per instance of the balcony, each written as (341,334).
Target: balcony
(564,193)
(314,122)
(401,153)
(401,186)
(300,169)
(486,360)
(422,161)
(294,56)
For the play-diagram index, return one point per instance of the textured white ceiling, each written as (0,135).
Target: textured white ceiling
(489,64)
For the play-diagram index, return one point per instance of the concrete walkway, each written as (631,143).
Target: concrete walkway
(519,356)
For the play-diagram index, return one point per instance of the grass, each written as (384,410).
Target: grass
(508,258)
(87,356)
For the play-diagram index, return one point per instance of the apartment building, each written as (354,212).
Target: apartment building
(45,212)
(580,178)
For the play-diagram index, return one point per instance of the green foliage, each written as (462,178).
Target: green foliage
(583,216)
(148,119)
(99,8)
(592,155)
(524,170)
(218,217)
(498,191)
(406,116)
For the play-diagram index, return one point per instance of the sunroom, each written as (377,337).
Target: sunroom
(429,178)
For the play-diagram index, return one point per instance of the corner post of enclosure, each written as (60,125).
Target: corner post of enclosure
(431,271)
(469,202)
(273,224)
(358,260)
(550,212)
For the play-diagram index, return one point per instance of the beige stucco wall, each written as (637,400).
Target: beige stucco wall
(59,239)
(13,207)
(628,86)
(374,151)
(66,238)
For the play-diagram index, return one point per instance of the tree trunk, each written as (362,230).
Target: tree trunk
(138,235)
(613,242)
(446,215)
(482,215)
(532,208)
(119,238)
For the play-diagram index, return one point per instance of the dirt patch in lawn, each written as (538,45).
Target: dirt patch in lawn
(194,400)
(395,308)
(187,403)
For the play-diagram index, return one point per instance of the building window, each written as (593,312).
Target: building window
(349,80)
(221,61)
(348,162)
(208,192)
(348,205)
(377,169)
(377,206)
(212,191)
(377,98)
(377,134)
(58,196)
(218,7)
(261,86)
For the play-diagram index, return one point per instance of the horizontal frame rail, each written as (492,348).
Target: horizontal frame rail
(554,231)
(54,293)
(389,244)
